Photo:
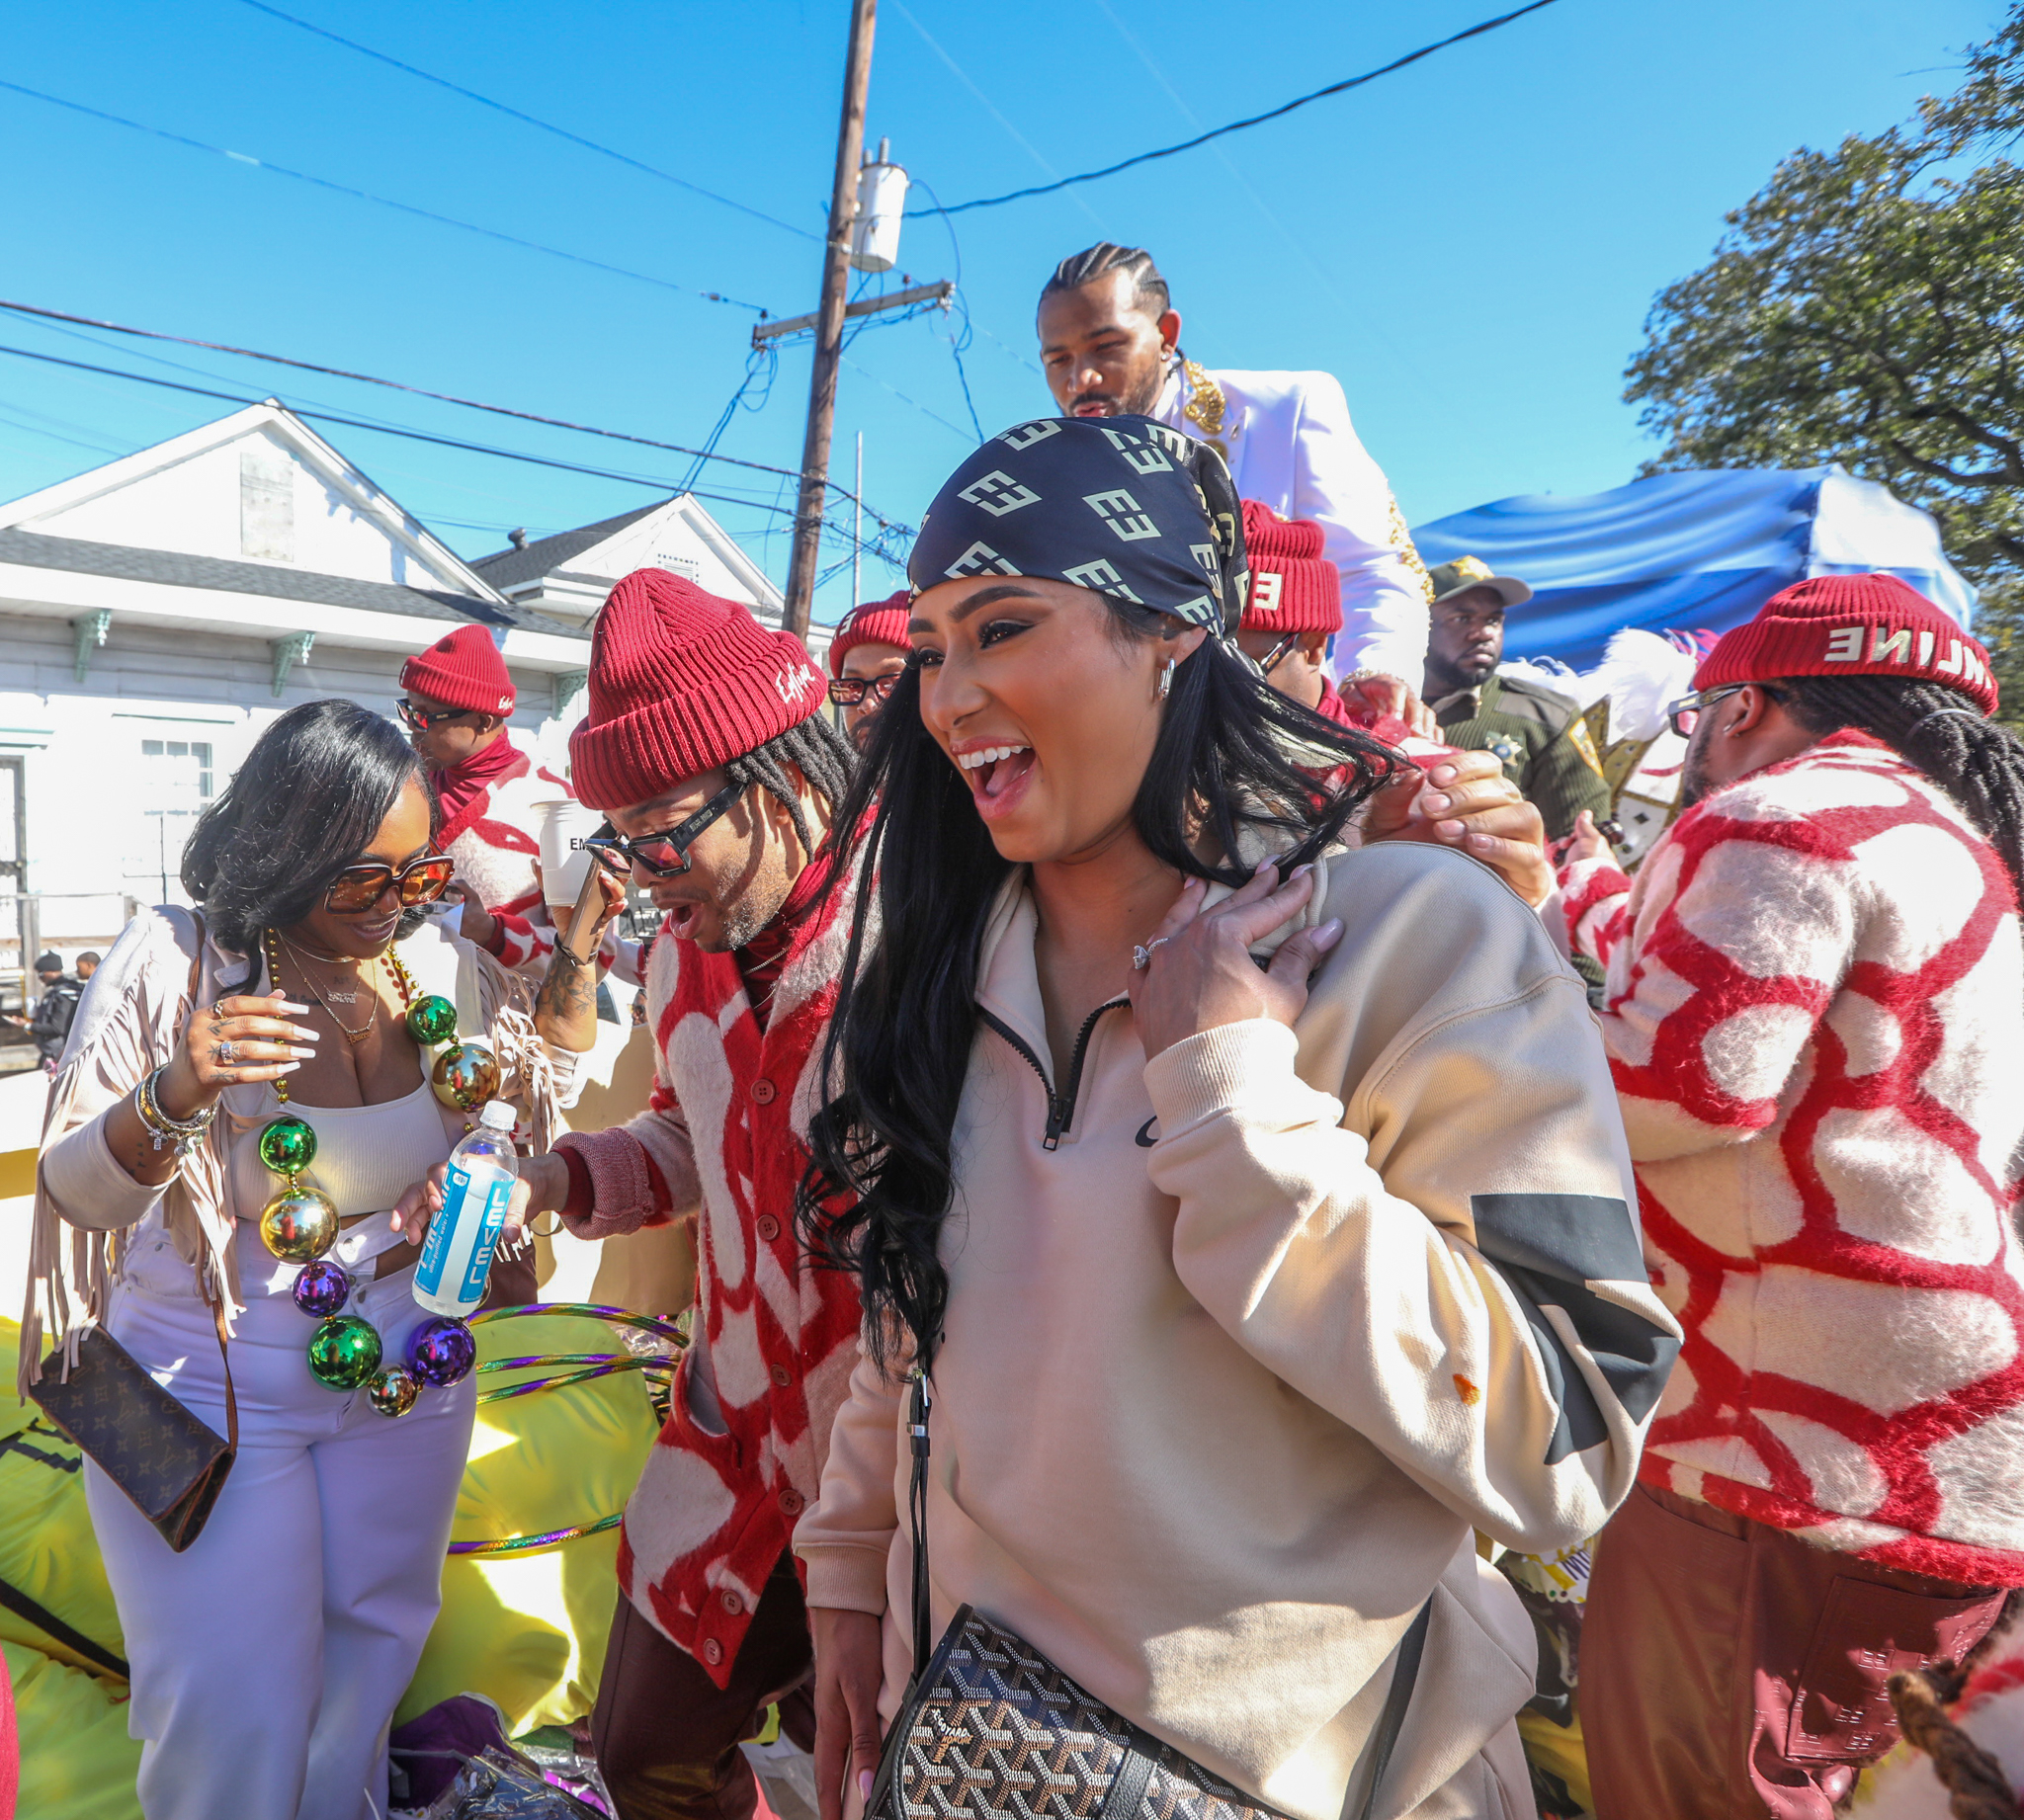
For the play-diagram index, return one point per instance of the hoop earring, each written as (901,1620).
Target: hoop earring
(1166,678)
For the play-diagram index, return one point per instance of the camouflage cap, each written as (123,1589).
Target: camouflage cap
(1467,572)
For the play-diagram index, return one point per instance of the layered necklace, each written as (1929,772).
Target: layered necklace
(300,1223)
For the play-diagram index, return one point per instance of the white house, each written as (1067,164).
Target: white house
(158,613)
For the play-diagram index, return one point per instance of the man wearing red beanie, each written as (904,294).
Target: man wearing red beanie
(865,658)
(456,698)
(1295,608)
(706,748)
(1814,1014)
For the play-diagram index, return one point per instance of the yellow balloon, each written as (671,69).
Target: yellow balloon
(298,1224)
(465,1076)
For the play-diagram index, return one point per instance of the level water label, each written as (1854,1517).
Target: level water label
(500,1193)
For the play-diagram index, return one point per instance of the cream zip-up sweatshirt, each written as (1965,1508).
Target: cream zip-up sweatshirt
(1243,1342)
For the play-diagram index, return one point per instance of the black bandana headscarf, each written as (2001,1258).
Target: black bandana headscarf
(1120,505)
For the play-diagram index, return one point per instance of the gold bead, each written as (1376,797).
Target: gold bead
(299,1224)
(465,1076)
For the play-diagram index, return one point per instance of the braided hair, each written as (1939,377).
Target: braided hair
(1148,289)
(817,751)
(1976,1787)
(1979,764)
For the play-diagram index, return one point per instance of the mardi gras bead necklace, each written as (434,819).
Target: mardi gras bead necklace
(300,1224)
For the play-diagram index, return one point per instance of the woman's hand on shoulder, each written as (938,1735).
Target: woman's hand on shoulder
(1200,975)
(234,1041)
(1468,802)
(849,1667)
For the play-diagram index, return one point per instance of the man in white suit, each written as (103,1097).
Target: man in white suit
(1110,341)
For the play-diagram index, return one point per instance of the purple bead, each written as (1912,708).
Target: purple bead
(440,1351)
(322,1288)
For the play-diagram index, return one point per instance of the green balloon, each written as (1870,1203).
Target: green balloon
(289,1145)
(343,1352)
(431,1021)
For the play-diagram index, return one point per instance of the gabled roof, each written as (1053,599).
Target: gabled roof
(574,570)
(186,495)
(32,549)
(509,568)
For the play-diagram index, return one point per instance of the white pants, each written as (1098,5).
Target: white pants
(267,1658)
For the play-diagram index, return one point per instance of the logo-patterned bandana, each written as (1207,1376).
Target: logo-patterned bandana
(1120,505)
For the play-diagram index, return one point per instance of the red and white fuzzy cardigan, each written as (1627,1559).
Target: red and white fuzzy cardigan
(1815,1020)
(774,1336)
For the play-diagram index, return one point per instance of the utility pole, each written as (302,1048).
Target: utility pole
(850,145)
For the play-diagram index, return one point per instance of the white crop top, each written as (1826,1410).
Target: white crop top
(366,1158)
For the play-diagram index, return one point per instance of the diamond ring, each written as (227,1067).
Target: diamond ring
(1142,957)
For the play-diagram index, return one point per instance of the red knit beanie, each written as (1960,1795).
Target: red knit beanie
(680,683)
(1294,587)
(874,622)
(1851,625)
(462,669)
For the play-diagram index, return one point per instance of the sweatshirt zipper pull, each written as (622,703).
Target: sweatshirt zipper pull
(1058,1116)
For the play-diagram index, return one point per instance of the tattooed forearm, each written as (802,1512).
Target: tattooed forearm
(565,1008)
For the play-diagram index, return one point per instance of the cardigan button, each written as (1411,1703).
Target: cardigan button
(733,1604)
(792,1501)
(713,1651)
(783,1376)
(767,1227)
(763,1091)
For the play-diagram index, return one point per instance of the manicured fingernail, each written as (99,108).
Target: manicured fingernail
(1452,830)
(1299,871)
(302,1034)
(287,1067)
(1435,803)
(303,1054)
(1329,932)
(290,1005)
(1443,774)
(1480,839)
(864,1784)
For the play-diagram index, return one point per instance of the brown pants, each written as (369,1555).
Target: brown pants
(1731,1671)
(667,1737)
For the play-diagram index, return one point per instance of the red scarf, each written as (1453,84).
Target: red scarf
(462,789)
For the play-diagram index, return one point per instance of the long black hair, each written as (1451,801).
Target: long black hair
(1977,763)
(1232,756)
(303,806)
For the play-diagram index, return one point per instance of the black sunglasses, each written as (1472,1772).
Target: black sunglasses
(419,882)
(1684,715)
(423,718)
(664,854)
(849,691)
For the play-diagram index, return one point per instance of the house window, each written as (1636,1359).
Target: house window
(174,786)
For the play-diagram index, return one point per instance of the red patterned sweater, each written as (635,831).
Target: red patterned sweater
(775,1337)
(1816,1017)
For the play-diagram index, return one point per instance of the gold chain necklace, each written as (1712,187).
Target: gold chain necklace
(403,982)
(344,1030)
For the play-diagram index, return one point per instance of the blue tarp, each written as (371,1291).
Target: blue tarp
(1684,551)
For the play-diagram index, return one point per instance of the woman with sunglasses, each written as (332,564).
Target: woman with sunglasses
(1258,1209)
(268,1657)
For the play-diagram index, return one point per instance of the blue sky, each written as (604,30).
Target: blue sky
(1471,245)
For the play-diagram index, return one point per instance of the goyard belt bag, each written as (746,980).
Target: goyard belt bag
(991,1728)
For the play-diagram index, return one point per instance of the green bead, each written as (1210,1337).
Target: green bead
(289,1145)
(343,1352)
(431,1021)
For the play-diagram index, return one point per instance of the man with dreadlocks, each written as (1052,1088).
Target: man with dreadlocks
(1110,341)
(706,748)
(1815,1014)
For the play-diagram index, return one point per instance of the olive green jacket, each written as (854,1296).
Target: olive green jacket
(1541,739)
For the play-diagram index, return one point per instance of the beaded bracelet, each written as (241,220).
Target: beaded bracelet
(184,1133)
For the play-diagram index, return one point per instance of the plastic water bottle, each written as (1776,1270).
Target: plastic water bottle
(456,1255)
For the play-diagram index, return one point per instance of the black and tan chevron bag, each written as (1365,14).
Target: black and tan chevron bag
(991,1728)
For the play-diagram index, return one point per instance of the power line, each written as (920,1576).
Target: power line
(383,202)
(417,391)
(500,107)
(658,483)
(1256,119)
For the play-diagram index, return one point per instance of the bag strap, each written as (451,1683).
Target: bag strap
(218,1309)
(1397,1697)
